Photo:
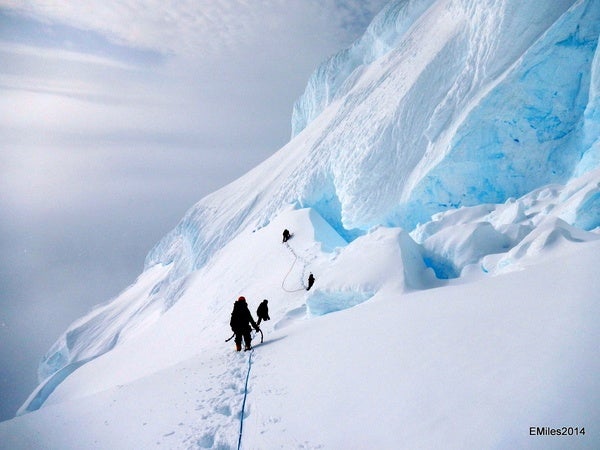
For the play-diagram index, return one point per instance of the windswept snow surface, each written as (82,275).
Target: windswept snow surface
(471,364)
(474,102)
(441,104)
(443,186)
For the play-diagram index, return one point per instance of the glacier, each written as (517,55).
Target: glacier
(456,139)
(486,108)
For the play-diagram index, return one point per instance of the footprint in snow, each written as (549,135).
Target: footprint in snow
(224,410)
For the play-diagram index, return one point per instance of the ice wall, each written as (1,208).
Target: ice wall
(440,104)
(334,76)
(591,128)
(526,128)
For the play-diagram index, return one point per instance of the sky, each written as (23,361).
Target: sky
(115,118)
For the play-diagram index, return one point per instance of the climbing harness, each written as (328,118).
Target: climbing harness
(245,395)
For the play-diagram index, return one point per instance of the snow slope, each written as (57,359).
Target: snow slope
(443,186)
(443,104)
(472,364)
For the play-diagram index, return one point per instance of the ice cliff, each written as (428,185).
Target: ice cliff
(440,105)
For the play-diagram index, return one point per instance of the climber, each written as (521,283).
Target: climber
(311,281)
(286,235)
(263,311)
(240,322)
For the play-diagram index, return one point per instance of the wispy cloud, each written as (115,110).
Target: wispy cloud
(225,62)
(200,27)
(64,55)
(195,28)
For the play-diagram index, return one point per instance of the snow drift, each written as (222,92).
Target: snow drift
(452,147)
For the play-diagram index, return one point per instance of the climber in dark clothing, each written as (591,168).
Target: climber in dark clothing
(286,235)
(263,311)
(311,281)
(240,322)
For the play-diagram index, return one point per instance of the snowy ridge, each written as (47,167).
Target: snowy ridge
(97,333)
(471,242)
(498,335)
(445,161)
(467,115)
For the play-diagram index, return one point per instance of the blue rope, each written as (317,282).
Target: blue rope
(244,402)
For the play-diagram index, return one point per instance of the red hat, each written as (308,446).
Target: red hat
(242,299)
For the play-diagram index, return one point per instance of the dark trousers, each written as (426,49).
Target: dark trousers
(238,339)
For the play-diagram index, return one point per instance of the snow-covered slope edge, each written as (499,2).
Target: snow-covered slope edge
(470,107)
(460,80)
(473,364)
(477,242)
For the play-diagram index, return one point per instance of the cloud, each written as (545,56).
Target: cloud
(63,55)
(117,116)
(224,62)
(231,58)
(201,27)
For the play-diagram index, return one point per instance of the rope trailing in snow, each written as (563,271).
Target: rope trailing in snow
(244,402)
(296,257)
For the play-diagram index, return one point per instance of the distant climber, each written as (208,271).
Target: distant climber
(286,235)
(240,322)
(311,281)
(263,311)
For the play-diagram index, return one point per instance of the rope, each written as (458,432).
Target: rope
(296,257)
(244,402)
